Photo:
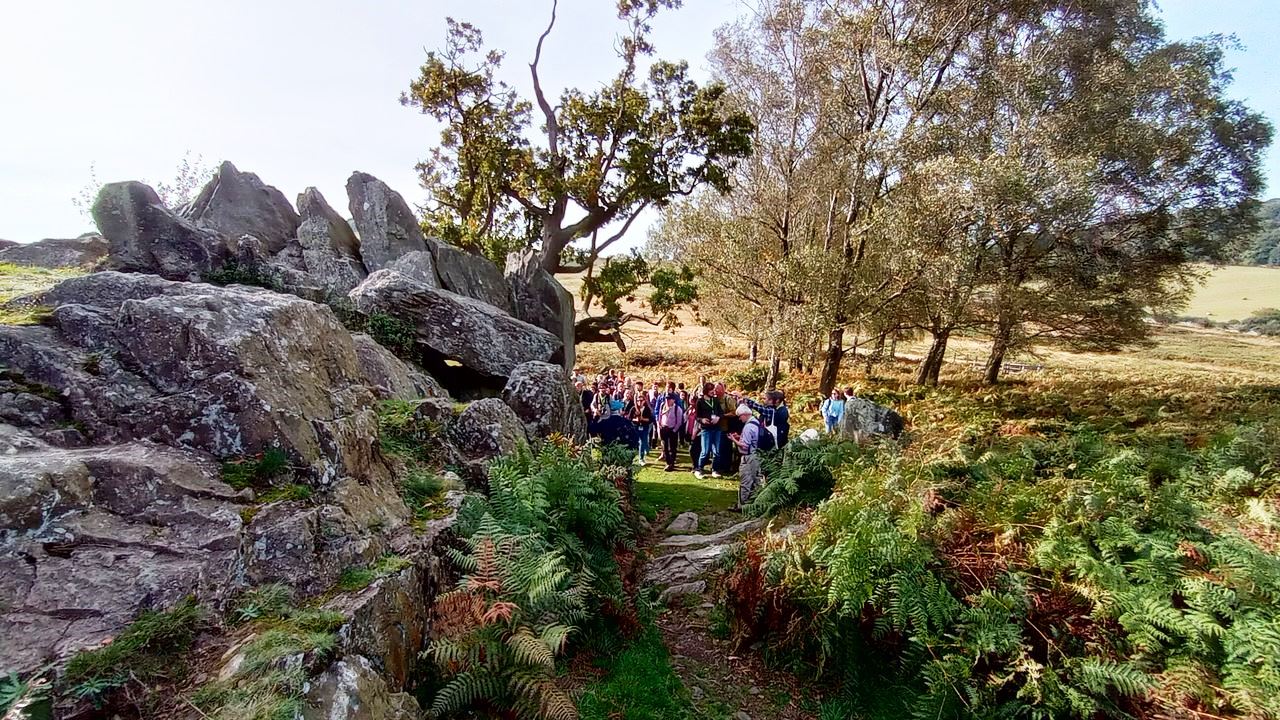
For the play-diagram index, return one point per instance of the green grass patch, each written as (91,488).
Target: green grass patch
(148,650)
(19,280)
(292,491)
(359,578)
(680,491)
(25,315)
(639,684)
(264,687)
(257,471)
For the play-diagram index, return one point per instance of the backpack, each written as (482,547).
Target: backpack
(766,440)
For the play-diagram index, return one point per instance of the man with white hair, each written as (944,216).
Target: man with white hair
(748,442)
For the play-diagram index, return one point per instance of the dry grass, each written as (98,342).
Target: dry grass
(1235,292)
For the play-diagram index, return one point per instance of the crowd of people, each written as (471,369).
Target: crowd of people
(724,432)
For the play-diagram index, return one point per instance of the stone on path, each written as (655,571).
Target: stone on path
(685,522)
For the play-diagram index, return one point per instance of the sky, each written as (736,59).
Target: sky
(304,92)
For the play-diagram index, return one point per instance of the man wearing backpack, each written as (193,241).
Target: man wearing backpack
(753,440)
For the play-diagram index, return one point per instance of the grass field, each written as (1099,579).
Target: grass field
(1235,292)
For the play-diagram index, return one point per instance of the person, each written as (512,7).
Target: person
(588,395)
(748,442)
(642,419)
(613,429)
(707,412)
(724,448)
(832,410)
(774,415)
(670,422)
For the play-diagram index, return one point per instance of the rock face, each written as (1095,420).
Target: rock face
(544,399)
(863,419)
(541,300)
(328,249)
(84,251)
(237,203)
(472,275)
(482,432)
(146,237)
(389,377)
(688,557)
(93,536)
(386,225)
(351,689)
(229,371)
(419,265)
(450,328)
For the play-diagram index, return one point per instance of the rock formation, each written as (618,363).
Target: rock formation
(863,419)
(387,227)
(541,300)
(138,421)
(79,252)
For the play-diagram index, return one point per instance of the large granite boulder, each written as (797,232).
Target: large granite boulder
(420,265)
(465,344)
(93,536)
(8,243)
(232,371)
(237,203)
(79,252)
(147,237)
(390,377)
(387,226)
(485,430)
(327,250)
(541,300)
(473,275)
(864,419)
(544,399)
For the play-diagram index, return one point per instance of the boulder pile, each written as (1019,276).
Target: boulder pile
(125,414)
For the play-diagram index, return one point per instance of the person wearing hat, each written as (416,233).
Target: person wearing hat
(748,442)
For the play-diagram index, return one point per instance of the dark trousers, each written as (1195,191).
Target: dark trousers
(670,442)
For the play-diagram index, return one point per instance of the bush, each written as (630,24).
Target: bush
(750,379)
(393,334)
(238,273)
(1263,322)
(801,475)
(541,564)
(1042,577)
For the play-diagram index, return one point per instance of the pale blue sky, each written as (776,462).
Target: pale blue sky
(303,92)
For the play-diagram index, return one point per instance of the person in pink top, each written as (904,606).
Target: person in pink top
(671,419)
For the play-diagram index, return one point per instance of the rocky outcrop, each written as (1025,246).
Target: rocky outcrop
(236,203)
(544,399)
(146,237)
(472,275)
(80,252)
(686,558)
(540,300)
(685,522)
(484,431)
(352,689)
(93,536)
(386,225)
(455,333)
(327,249)
(390,377)
(419,265)
(864,419)
(230,371)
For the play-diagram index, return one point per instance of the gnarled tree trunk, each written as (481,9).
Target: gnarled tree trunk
(831,362)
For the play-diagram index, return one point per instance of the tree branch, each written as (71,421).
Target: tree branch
(553,126)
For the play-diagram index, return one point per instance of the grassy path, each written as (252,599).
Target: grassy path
(685,668)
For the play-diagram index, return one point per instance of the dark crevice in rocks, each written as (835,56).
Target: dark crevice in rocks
(461,382)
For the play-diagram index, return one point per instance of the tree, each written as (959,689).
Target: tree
(1110,158)
(596,163)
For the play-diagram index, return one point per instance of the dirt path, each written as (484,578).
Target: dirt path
(724,682)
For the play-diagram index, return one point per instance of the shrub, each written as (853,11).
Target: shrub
(235,272)
(541,562)
(801,475)
(394,334)
(751,378)
(1263,322)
